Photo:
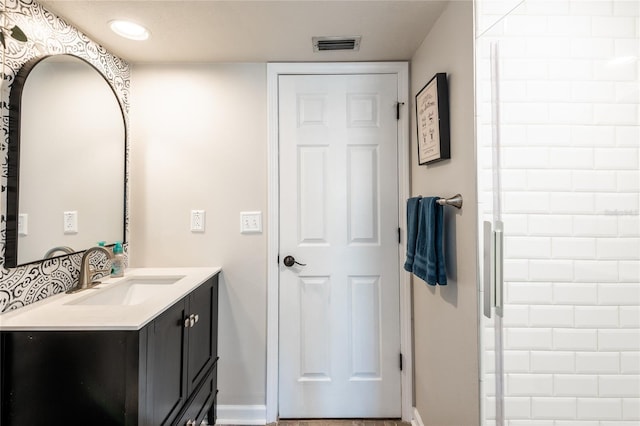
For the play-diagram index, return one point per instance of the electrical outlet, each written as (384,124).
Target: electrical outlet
(197,220)
(70,223)
(250,222)
(23,222)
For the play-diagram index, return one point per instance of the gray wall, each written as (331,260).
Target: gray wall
(199,141)
(445,318)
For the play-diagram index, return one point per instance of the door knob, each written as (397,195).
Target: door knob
(290,261)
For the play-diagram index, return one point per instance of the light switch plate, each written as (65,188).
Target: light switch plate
(198,219)
(250,222)
(70,222)
(23,224)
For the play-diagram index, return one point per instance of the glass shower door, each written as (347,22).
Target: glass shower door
(492,246)
(558,125)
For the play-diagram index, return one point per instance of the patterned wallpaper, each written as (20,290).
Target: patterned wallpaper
(47,35)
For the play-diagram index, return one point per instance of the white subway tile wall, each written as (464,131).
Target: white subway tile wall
(569,92)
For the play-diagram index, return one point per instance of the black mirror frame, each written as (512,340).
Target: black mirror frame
(13,160)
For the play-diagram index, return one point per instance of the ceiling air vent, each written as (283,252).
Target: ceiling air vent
(335,43)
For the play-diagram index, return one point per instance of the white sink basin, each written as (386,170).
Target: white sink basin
(131,291)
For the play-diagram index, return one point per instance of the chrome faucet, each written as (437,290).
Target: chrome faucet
(85,279)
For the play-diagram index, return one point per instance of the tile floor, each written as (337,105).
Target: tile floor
(341,422)
(337,422)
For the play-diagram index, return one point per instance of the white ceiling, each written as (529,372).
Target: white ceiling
(254,31)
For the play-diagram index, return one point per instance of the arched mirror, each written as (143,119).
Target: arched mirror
(66,183)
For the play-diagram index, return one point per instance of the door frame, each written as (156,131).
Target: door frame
(274,70)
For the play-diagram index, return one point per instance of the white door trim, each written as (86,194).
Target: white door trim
(273,214)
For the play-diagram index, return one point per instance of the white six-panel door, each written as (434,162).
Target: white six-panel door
(339,314)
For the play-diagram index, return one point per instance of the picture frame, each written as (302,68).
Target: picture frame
(432,120)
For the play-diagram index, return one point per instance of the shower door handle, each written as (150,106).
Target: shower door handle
(499,267)
(493,275)
(488,267)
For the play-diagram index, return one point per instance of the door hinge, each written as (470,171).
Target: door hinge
(278,260)
(400,361)
(398,109)
(399,236)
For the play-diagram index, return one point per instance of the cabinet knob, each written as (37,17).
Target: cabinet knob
(191,320)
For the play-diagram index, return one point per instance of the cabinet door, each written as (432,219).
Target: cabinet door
(203,303)
(167,351)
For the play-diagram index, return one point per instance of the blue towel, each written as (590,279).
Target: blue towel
(413,205)
(429,262)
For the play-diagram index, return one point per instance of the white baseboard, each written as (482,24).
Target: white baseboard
(241,415)
(257,415)
(417,420)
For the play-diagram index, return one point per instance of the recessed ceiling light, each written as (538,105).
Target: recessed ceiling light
(129,29)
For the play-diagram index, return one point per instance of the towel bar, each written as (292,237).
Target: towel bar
(455,201)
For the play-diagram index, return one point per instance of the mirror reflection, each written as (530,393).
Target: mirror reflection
(71,161)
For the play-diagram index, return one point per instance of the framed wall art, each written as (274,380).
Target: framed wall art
(432,120)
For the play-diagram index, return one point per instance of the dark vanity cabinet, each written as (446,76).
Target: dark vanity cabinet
(163,374)
(182,345)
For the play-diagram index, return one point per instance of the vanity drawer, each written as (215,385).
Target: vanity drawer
(200,403)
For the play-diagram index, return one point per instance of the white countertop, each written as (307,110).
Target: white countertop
(66,311)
